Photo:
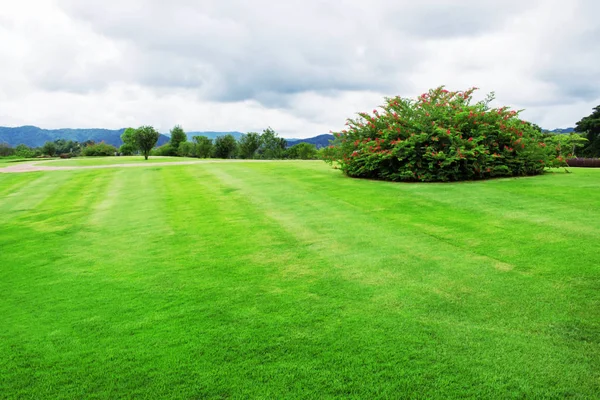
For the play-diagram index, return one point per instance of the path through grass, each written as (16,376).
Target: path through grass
(289,280)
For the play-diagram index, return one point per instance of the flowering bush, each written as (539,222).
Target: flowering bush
(441,136)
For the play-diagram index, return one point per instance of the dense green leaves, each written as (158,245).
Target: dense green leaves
(272,146)
(590,127)
(99,149)
(178,136)
(302,151)
(130,145)
(146,138)
(49,149)
(204,146)
(225,147)
(441,136)
(249,144)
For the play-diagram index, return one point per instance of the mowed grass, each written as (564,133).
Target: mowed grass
(87,161)
(9,161)
(289,280)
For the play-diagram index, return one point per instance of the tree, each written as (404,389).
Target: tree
(590,128)
(248,145)
(272,146)
(204,146)
(49,148)
(302,151)
(129,146)
(225,147)
(6,150)
(23,151)
(186,149)
(146,138)
(177,136)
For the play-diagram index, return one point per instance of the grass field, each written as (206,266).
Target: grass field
(288,280)
(87,161)
(8,161)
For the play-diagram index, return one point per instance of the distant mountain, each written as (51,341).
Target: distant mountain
(33,136)
(561,130)
(319,141)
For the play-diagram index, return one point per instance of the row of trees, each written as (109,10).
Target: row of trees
(252,145)
(589,127)
(265,145)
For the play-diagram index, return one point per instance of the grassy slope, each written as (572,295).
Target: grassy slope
(289,280)
(83,161)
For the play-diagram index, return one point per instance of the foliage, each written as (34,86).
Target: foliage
(99,150)
(64,146)
(271,146)
(566,145)
(302,151)
(24,151)
(178,136)
(166,150)
(146,138)
(248,145)
(127,149)
(49,149)
(204,146)
(590,127)
(225,147)
(441,136)
(6,150)
(130,145)
(186,149)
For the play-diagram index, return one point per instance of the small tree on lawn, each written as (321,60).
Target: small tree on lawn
(146,138)
(177,136)
(225,147)
(130,145)
(204,146)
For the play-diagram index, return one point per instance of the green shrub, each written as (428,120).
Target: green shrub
(441,136)
(24,151)
(186,149)
(166,150)
(302,151)
(99,150)
(127,149)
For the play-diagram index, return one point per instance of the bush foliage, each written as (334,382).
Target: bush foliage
(441,136)
(99,149)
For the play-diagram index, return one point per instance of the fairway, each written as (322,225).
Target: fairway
(89,161)
(289,280)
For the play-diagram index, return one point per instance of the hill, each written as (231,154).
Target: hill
(561,130)
(319,141)
(33,136)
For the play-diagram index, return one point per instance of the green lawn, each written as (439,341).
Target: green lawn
(8,161)
(85,161)
(289,280)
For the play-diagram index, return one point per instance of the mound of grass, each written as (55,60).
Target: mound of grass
(286,280)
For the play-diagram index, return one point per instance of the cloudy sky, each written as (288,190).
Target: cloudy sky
(301,67)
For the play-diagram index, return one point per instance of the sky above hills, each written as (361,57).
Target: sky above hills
(301,67)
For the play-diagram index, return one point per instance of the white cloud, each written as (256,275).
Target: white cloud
(301,67)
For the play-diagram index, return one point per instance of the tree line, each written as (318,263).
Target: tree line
(252,145)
